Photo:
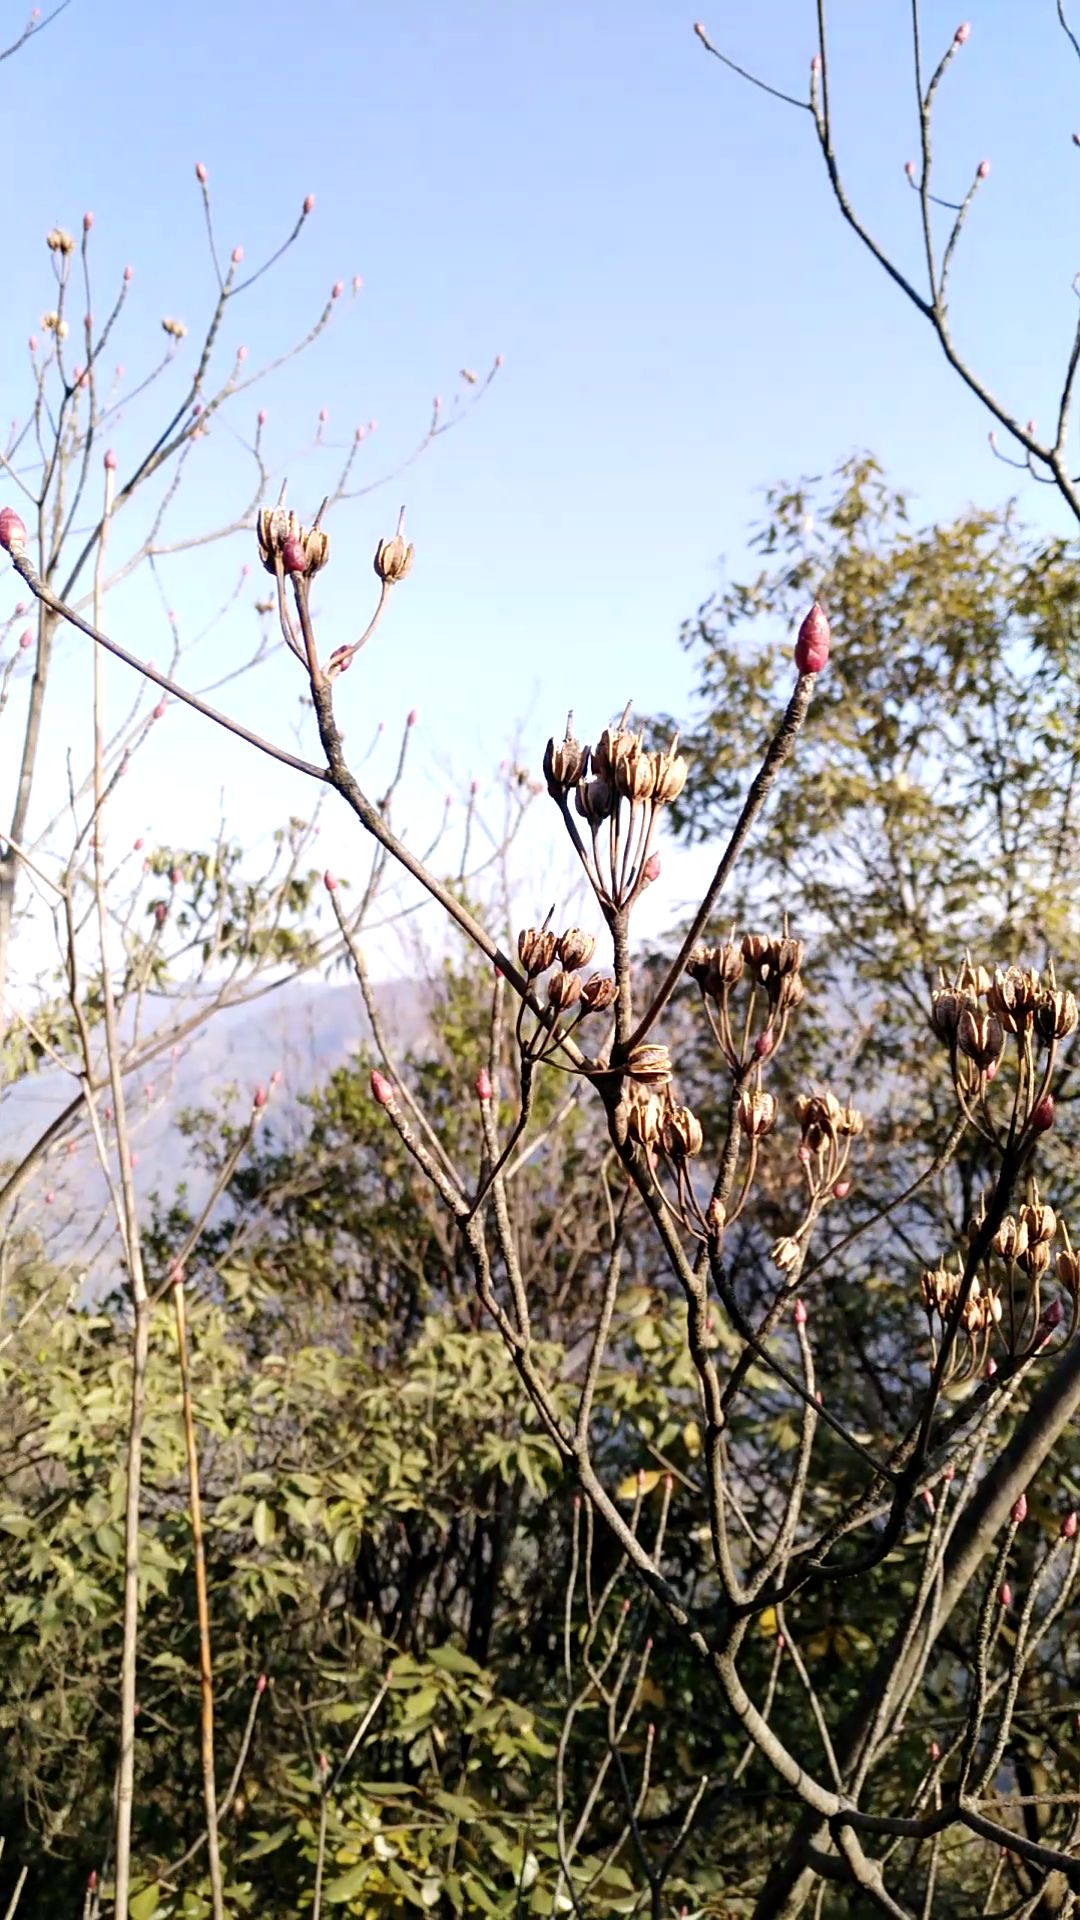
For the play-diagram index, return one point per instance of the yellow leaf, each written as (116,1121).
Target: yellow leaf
(628,1488)
(767,1622)
(691,1434)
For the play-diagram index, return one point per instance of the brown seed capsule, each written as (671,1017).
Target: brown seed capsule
(757,953)
(757,1112)
(1040,1220)
(599,993)
(1013,995)
(1068,1271)
(536,950)
(611,750)
(1035,1259)
(787,1255)
(564,764)
(564,990)
(850,1122)
(595,800)
(59,241)
(820,1117)
(632,771)
(650,1064)
(946,1006)
(681,1134)
(393,558)
(1055,1014)
(575,949)
(981,1036)
(786,991)
(1011,1238)
(646,1111)
(669,777)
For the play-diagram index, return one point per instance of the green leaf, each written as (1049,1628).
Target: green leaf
(349,1883)
(144,1905)
(263,1523)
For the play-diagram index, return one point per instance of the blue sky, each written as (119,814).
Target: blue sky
(649,243)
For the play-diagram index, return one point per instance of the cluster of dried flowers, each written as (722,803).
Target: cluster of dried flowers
(619,788)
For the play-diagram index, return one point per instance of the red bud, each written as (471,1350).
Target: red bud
(962,34)
(159,711)
(260,1684)
(200,173)
(1043,1117)
(12,530)
(764,1044)
(410,717)
(651,869)
(110,461)
(482,1084)
(330,881)
(160,912)
(982,170)
(309,203)
(26,639)
(799,1314)
(1069,1526)
(381,1089)
(812,644)
(293,556)
(935,1750)
(909,169)
(1018,1511)
(337,289)
(258,1100)
(1005,1594)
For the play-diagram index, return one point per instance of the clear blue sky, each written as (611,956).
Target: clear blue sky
(649,243)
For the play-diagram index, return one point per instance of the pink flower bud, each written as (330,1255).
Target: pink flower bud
(241,355)
(259,1098)
(110,461)
(337,289)
(323,416)
(159,912)
(261,416)
(1076,139)
(381,1089)
(91,1880)
(309,204)
(812,645)
(1041,1120)
(324,1764)
(330,881)
(990,1368)
(935,1751)
(962,34)
(200,173)
(651,870)
(26,640)
(1069,1526)
(357,282)
(293,556)
(32,343)
(1018,1511)
(260,1684)
(410,717)
(909,169)
(764,1044)
(159,711)
(139,844)
(129,275)
(175,877)
(799,1314)
(949,1474)
(928,1500)
(49,1197)
(237,255)
(276,1077)
(12,531)
(815,65)
(482,1084)
(841,1189)
(1005,1594)
(982,170)
(177,1275)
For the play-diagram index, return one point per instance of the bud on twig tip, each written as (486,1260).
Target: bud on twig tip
(381,1089)
(12,531)
(1018,1511)
(482,1084)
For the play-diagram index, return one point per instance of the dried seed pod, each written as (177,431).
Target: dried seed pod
(564,764)
(1011,1238)
(595,800)
(632,771)
(646,1111)
(1040,1220)
(575,948)
(981,1036)
(611,749)
(1013,996)
(681,1133)
(564,990)
(1055,1014)
(787,1255)
(947,1004)
(650,1064)
(757,1112)
(669,777)
(393,559)
(599,993)
(536,950)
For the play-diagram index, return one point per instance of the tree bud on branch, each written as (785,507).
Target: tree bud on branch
(12,531)
(812,644)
